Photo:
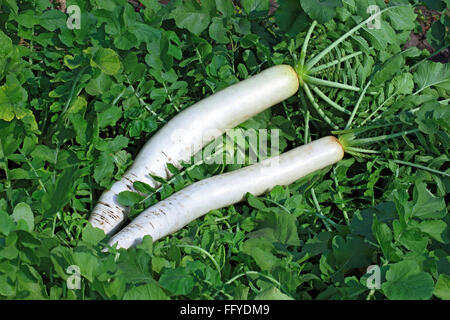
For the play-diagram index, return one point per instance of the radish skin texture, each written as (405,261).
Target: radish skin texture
(175,212)
(186,134)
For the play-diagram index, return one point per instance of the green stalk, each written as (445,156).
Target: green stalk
(307,126)
(72,89)
(329,101)
(321,82)
(143,102)
(279,205)
(378,109)
(334,62)
(255,273)
(306,133)
(305,44)
(361,150)
(426,87)
(311,63)
(364,129)
(320,214)
(359,142)
(344,212)
(358,154)
(34,170)
(418,166)
(203,251)
(318,109)
(118,97)
(361,97)
(4,166)
(427,58)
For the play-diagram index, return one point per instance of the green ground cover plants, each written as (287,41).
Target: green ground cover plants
(76,105)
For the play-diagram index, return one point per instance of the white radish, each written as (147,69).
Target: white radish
(175,212)
(186,134)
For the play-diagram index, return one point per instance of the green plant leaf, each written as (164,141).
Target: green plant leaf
(255,5)
(6,286)
(290,17)
(436,35)
(125,41)
(87,262)
(351,252)
(402,17)
(217,31)
(426,204)
(255,202)
(148,291)
(436,229)
(431,74)
(129,198)
(12,99)
(22,212)
(225,7)
(383,234)
(177,280)
(92,235)
(272,293)
(405,281)
(52,19)
(192,16)
(321,10)
(59,193)
(6,223)
(442,288)
(260,250)
(106,60)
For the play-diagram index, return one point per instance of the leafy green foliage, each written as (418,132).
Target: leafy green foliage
(77,105)
(404,280)
(321,10)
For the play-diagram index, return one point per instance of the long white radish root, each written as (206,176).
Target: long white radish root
(223,190)
(186,134)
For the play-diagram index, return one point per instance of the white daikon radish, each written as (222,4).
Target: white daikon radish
(186,134)
(173,213)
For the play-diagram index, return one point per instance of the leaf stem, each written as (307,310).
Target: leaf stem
(329,101)
(327,83)
(427,58)
(279,205)
(318,109)
(305,43)
(364,129)
(344,212)
(144,103)
(363,141)
(311,63)
(418,166)
(361,150)
(334,62)
(203,251)
(319,211)
(255,273)
(377,109)
(306,133)
(72,89)
(34,170)
(361,97)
